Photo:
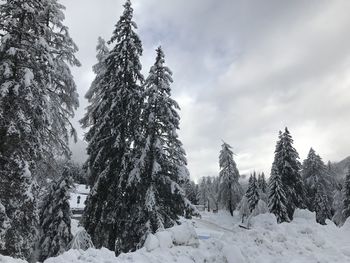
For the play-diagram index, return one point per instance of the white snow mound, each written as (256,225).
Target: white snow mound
(223,241)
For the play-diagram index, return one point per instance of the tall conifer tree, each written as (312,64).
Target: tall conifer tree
(346,191)
(230,191)
(37,98)
(113,118)
(155,198)
(287,165)
(262,183)
(95,95)
(277,197)
(252,193)
(317,186)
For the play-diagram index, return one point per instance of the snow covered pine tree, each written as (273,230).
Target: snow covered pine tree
(230,191)
(95,96)
(37,96)
(155,198)
(288,167)
(252,193)
(277,197)
(318,187)
(114,119)
(346,191)
(55,219)
(262,183)
(191,191)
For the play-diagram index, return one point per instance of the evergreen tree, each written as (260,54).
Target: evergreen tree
(95,95)
(114,121)
(191,191)
(3,226)
(277,197)
(317,185)
(252,193)
(153,192)
(37,98)
(346,191)
(288,167)
(262,183)
(322,204)
(338,207)
(55,218)
(230,191)
(204,192)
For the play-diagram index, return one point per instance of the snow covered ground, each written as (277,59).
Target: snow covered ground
(222,240)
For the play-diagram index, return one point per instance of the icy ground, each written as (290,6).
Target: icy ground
(222,240)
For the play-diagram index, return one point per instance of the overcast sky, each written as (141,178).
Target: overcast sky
(243,70)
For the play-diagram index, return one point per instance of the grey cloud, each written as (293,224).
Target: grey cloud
(242,70)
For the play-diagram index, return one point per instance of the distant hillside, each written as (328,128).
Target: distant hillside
(341,168)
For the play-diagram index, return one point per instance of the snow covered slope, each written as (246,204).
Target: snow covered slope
(222,240)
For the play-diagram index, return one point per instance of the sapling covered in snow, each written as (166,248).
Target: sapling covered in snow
(114,120)
(55,219)
(155,197)
(277,197)
(37,98)
(230,191)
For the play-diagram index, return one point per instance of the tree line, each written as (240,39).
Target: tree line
(311,185)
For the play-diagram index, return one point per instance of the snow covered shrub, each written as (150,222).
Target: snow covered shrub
(81,241)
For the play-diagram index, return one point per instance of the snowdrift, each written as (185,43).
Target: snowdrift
(222,241)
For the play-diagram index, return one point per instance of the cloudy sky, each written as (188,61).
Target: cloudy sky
(243,70)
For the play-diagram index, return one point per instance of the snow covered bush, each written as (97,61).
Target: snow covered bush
(81,240)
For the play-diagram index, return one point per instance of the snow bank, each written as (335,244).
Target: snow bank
(4,259)
(181,235)
(151,242)
(184,235)
(301,241)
